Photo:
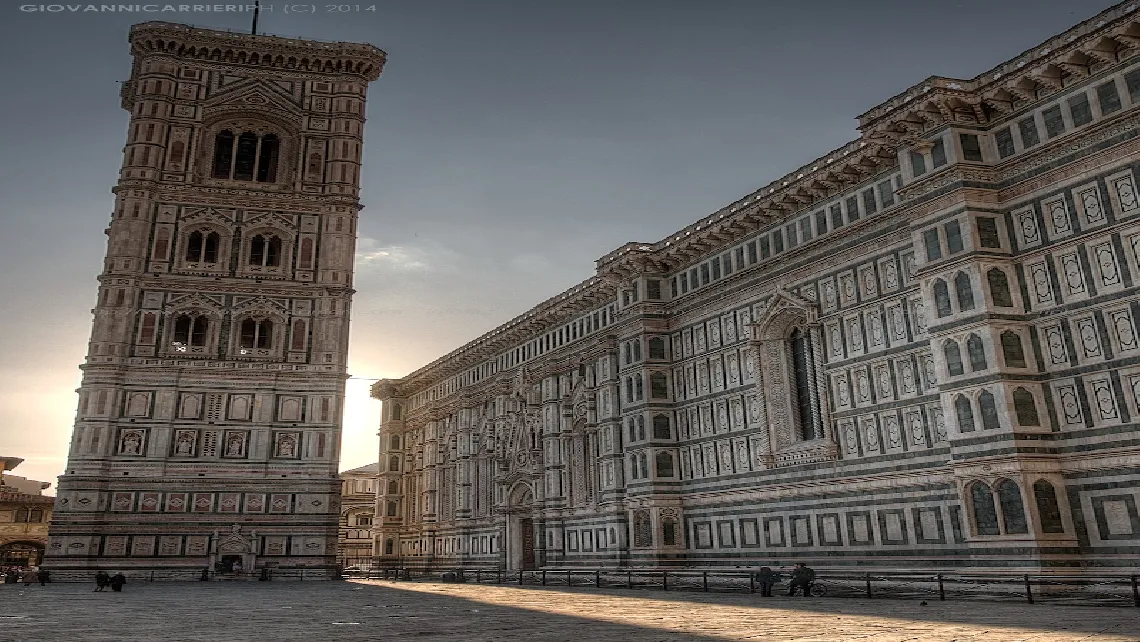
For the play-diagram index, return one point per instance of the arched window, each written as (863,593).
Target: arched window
(1011,349)
(964,291)
(664,464)
(965,413)
(942,299)
(389,547)
(394,442)
(633,472)
(254,157)
(627,352)
(999,288)
(1047,507)
(953,358)
(190,330)
(267,159)
(202,247)
(669,531)
(985,513)
(393,487)
(643,464)
(632,430)
(394,464)
(977,352)
(639,387)
(265,250)
(1012,509)
(637,350)
(989,411)
(305,261)
(629,388)
(393,509)
(256,334)
(223,154)
(657,348)
(397,412)
(641,428)
(161,243)
(23,516)
(1025,408)
(299,335)
(658,386)
(802,360)
(661,427)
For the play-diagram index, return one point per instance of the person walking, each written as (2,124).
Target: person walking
(101,581)
(802,577)
(29,576)
(44,576)
(11,576)
(767,578)
(117,582)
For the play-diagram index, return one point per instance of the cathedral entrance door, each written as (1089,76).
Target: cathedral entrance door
(527,528)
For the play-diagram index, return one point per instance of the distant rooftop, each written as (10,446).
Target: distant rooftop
(370,469)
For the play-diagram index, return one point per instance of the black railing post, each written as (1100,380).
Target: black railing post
(522,574)
(498,576)
(941,589)
(1135,592)
(665,580)
(544,577)
(1028,590)
(628,579)
(597,578)
(569,580)
(868,580)
(705,577)
(478,576)
(751,583)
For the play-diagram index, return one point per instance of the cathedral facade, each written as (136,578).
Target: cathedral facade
(918,351)
(208,427)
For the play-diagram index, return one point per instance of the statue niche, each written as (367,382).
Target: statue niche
(790,391)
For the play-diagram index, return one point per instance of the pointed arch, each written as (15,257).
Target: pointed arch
(999,288)
(964,291)
(983,509)
(942,299)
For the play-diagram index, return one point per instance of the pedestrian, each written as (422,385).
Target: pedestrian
(11,576)
(767,578)
(117,582)
(802,577)
(44,576)
(101,581)
(29,576)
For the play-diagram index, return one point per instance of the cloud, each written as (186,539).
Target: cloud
(370,254)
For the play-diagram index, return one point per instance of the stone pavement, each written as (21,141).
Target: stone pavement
(375,610)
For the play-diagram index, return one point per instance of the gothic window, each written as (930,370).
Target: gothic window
(632,430)
(389,547)
(246,157)
(190,330)
(636,350)
(394,442)
(1012,510)
(642,529)
(964,291)
(658,386)
(985,513)
(977,352)
(392,509)
(639,388)
(999,288)
(664,464)
(397,412)
(1012,350)
(669,531)
(942,298)
(256,334)
(953,358)
(393,487)
(265,250)
(965,414)
(801,372)
(989,411)
(305,261)
(202,247)
(643,464)
(661,427)
(394,464)
(954,237)
(641,430)
(657,348)
(627,353)
(629,388)
(1048,509)
(633,467)
(1025,408)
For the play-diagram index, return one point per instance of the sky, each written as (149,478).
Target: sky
(509,144)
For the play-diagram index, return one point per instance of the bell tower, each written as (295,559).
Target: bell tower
(209,419)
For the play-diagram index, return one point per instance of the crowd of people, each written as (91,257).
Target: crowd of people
(27,575)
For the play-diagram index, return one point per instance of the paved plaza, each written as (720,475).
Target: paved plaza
(373,610)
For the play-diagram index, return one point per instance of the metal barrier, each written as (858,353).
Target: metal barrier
(1083,589)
